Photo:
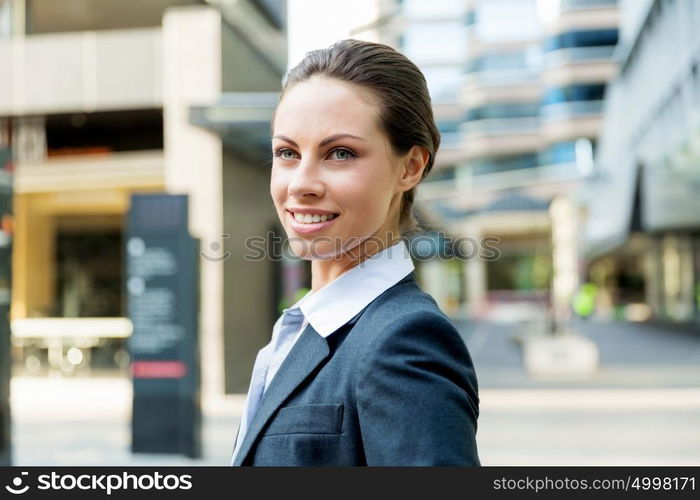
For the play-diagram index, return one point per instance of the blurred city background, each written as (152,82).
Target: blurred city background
(570,133)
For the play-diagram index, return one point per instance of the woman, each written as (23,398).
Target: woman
(365,369)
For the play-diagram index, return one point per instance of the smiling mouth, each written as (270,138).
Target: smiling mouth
(312,219)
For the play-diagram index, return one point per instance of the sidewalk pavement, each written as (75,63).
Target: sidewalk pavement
(87,421)
(632,355)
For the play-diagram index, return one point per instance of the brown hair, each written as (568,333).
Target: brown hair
(406,114)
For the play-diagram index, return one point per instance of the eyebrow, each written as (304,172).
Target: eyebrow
(325,141)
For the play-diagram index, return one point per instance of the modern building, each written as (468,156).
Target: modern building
(643,203)
(102,99)
(517,88)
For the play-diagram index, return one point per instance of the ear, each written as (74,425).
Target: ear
(413,165)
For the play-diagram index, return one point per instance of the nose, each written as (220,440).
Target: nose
(306,181)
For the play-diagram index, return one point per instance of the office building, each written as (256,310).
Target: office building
(102,99)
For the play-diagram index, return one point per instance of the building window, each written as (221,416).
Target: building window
(435,8)
(558,153)
(498,62)
(448,126)
(504,110)
(444,82)
(5,19)
(435,41)
(450,134)
(562,152)
(497,164)
(586,4)
(470,18)
(442,174)
(570,93)
(507,21)
(574,39)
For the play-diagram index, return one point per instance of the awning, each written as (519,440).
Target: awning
(658,197)
(609,199)
(671,190)
(242,120)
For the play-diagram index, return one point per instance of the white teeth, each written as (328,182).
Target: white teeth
(310,219)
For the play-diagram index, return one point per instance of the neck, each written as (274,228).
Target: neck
(325,271)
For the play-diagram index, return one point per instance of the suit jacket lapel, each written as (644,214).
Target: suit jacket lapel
(308,352)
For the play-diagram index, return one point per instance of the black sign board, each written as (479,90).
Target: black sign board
(162,287)
(5,293)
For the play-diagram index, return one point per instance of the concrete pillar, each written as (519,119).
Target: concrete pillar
(652,277)
(33,254)
(250,310)
(687,297)
(19,18)
(678,279)
(565,280)
(475,272)
(434,281)
(193,160)
(29,140)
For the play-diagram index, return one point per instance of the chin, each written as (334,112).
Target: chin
(304,249)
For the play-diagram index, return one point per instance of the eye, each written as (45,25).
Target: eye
(342,154)
(284,154)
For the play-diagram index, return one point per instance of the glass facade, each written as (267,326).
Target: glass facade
(559,152)
(586,4)
(450,133)
(504,110)
(443,174)
(497,164)
(507,21)
(435,41)
(440,48)
(435,8)
(562,152)
(588,38)
(499,61)
(5,19)
(444,82)
(470,19)
(577,92)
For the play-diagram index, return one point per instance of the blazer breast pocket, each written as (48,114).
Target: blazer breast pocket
(307,419)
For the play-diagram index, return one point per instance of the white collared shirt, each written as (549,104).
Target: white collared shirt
(326,309)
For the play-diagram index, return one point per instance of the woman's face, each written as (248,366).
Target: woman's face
(335,180)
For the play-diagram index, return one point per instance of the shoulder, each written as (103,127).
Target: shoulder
(412,361)
(401,307)
(405,323)
(414,382)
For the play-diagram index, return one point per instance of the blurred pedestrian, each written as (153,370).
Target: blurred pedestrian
(584,300)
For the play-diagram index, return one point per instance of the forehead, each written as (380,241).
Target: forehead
(323,106)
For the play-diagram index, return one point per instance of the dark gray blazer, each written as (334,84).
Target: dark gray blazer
(394,386)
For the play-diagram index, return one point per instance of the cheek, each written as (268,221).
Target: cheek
(278,186)
(366,195)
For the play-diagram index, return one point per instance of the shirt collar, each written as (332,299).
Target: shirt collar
(337,302)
